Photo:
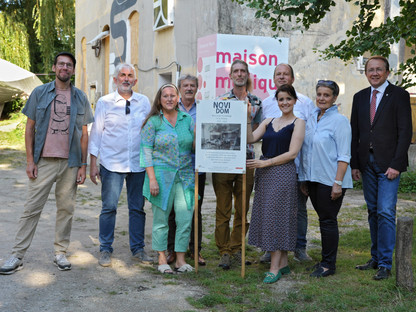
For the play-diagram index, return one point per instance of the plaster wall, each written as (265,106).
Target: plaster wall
(162,54)
(167,51)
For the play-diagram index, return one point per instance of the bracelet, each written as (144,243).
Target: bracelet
(84,164)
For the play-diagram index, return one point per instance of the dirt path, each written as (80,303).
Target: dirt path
(88,286)
(126,286)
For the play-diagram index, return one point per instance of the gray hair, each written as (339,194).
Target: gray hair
(187,77)
(328,84)
(120,66)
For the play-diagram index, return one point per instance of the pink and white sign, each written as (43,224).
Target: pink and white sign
(217,52)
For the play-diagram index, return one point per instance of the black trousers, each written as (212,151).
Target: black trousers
(172,224)
(327,210)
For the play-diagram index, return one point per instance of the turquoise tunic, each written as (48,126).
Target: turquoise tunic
(168,149)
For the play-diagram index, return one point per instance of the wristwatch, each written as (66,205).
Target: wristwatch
(338,182)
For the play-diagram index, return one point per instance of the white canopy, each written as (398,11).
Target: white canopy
(15,81)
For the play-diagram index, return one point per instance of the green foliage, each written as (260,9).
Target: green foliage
(55,17)
(408,182)
(299,12)
(11,107)
(358,185)
(13,42)
(363,35)
(49,28)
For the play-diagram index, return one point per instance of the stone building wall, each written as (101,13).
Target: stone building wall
(163,55)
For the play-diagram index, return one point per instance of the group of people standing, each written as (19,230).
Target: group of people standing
(308,151)
(375,142)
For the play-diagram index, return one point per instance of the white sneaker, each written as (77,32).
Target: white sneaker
(12,265)
(62,262)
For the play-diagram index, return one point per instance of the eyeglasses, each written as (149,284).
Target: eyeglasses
(329,84)
(62,64)
(377,70)
(127,107)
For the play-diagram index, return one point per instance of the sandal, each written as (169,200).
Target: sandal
(185,268)
(164,269)
(272,278)
(201,261)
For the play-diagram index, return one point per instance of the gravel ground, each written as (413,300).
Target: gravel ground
(126,285)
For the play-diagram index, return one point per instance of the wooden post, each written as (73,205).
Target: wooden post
(196,247)
(243,229)
(404,271)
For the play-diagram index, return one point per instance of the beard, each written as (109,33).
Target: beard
(63,78)
(240,83)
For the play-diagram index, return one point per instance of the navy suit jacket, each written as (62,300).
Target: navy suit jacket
(391,131)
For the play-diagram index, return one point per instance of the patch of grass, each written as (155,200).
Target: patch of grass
(170,283)
(407,196)
(348,290)
(15,139)
(12,151)
(12,158)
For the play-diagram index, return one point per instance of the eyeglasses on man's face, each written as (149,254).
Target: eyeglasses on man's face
(63,64)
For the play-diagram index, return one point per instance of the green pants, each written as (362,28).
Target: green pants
(183,219)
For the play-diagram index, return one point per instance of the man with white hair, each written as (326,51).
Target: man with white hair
(115,139)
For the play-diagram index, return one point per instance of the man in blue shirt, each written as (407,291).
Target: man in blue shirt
(56,139)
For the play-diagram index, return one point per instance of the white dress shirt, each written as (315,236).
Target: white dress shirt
(115,135)
(380,93)
(302,109)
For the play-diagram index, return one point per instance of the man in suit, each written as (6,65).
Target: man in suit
(381,133)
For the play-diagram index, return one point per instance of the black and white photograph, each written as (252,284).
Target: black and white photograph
(216,136)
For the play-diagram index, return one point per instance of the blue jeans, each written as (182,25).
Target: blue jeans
(302,220)
(111,186)
(380,194)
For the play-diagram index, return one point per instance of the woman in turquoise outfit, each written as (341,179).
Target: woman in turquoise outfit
(167,140)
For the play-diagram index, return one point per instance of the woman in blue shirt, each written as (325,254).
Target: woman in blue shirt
(324,166)
(167,140)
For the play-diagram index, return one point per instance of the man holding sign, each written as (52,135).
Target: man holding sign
(227,185)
